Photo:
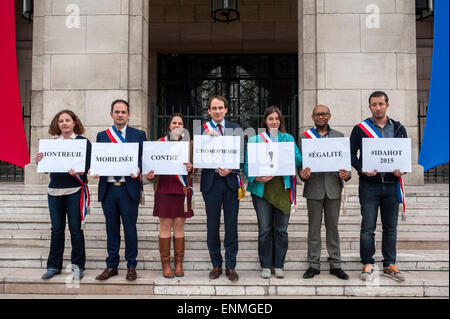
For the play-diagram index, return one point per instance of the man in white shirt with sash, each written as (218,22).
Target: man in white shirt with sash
(120,195)
(378,190)
(220,188)
(323,195)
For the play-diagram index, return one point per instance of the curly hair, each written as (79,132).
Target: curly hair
(54,128)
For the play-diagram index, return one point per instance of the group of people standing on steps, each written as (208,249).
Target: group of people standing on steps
(272,197)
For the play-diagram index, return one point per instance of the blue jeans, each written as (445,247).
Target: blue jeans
(384,196)
(273,237)
(58,207)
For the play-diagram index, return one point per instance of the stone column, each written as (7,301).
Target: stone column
(350,48)
(85,55)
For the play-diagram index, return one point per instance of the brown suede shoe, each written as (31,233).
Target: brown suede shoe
(131,274)
(232,275)
(215,273)
(107,273)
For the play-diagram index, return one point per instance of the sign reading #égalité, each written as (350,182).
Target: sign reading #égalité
(326,154)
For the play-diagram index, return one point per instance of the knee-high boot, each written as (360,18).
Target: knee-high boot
(178,245)
(164,251)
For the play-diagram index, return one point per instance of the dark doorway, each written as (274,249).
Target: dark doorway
(251,83)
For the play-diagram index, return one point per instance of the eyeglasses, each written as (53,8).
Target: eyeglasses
(321,114)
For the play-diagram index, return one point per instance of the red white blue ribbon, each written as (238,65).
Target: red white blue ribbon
(267,138)
(312,133)
(369,129)
(85,199)
(208,126)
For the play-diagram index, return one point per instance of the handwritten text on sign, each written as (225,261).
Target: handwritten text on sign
(165,158)
(62,155)
(114,159)
(386,154)
(326,154)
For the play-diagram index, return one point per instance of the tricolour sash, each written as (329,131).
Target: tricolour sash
(186,186)
(313,134)
(85,199)
(116,137)
(267,138)
(210,126)
(369,129)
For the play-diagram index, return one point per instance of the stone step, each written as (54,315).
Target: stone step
(247,240)
(351,211)
(96,222)
(197,283)
(149,259)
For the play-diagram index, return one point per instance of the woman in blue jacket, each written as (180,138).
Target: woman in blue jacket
(273,197)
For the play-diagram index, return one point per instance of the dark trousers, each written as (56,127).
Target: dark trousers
(330,209)
(371,197)
(220,195)
(59,206)
(272,233)
(118,204)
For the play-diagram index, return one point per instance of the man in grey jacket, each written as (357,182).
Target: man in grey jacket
(323,194)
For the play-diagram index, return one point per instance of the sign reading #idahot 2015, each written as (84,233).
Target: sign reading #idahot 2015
(386,154)
(326,154)
(165,158)
(217,151)
(271,159)
(114,159)
(62,155)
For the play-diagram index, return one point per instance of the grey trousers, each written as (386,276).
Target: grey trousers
(330,208)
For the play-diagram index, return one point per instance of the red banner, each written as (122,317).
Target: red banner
(13,143)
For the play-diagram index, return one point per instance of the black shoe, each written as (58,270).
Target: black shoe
(310,273)
(339,273)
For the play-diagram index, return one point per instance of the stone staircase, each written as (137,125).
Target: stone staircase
(25,238)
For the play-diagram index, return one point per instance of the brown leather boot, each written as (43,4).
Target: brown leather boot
(164,251)
(178,245)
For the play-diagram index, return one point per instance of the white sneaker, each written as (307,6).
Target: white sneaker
(279,273)
(266,273)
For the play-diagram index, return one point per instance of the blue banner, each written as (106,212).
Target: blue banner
(435,140)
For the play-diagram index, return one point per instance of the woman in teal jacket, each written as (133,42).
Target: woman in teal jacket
(273,197)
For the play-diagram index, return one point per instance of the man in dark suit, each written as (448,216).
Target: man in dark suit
(120,195)
(220,187)
(323,195)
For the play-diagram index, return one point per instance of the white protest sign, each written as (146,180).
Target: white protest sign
(386,154)
(114,159)
(326,154)
(271,159)
(61,155)
(165,158)
(217,151)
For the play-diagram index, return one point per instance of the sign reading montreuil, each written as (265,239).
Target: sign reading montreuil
(217,151)
(271,159)
(62,155)
(165,158)
(114,159)
(326,154)
(386,154)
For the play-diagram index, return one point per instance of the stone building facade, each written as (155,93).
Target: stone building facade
(82,54)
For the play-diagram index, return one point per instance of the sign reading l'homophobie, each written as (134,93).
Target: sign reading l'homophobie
(386,154)
(217,151)
(326,154)
(62,155)
(271,159)
(114,159)
(165,158)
